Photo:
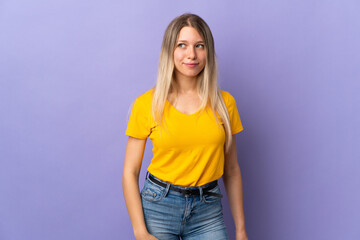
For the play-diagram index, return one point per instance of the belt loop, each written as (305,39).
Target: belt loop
(146,175)
(167,189)
(201,193)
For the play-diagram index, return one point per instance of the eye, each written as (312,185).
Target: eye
(200,46)
(181,45)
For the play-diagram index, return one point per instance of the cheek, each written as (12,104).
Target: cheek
(203,56)
(203,59)
(178,56)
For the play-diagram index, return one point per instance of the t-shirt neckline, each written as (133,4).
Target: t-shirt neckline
(176,110)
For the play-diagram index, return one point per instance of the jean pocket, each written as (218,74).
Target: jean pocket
(152,192)
(214,197)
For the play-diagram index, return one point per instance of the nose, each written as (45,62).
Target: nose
(191,53)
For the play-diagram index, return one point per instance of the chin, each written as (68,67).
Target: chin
(192,74)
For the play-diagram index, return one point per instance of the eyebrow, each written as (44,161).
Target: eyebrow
(187,41)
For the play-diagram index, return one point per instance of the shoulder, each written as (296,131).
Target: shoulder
(228,98)
(225,95)
(144,100)
(142,103)
(145,97)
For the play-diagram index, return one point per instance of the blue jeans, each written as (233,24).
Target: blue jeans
(170,215)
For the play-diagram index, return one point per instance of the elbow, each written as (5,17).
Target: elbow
(232,172)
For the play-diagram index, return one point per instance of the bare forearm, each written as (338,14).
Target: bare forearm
(234,190)
(133,202)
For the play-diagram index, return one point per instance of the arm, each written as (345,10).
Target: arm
(130,182)
(233,186)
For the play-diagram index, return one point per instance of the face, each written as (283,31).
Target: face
(189,54)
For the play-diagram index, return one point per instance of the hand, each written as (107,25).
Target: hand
(146,236)
(241,235)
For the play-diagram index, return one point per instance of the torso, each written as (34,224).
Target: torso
(189,149)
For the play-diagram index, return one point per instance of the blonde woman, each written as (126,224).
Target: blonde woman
(192,124)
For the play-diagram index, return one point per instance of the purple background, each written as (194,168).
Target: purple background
(69,71)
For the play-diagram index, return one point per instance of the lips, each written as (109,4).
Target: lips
(191,65)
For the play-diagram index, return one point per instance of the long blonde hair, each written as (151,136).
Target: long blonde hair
(207,84)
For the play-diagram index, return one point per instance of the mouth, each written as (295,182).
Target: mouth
(191,65)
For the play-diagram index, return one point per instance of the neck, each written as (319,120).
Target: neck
(186,84)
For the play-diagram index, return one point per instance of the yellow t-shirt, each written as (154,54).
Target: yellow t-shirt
(191,152)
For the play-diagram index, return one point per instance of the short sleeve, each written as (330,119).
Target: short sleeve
(138,125)
(235,122)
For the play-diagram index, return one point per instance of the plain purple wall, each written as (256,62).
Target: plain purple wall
(69,71)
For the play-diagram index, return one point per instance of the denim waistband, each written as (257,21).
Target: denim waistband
(213,183)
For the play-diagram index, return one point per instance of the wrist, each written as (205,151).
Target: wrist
(140,232)
(241,235)
(240,230)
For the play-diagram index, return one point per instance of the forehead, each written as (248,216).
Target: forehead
(189,34)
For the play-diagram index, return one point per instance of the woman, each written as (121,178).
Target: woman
(192,124)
